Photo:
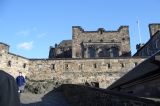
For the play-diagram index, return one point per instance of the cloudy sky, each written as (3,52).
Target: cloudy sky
(30,27)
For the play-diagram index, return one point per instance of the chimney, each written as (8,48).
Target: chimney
(153,28)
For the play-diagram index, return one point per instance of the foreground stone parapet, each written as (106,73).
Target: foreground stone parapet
(79,95)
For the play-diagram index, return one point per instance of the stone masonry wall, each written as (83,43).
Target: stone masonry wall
(12,63)
(78,71)
(73,71)
(79,36)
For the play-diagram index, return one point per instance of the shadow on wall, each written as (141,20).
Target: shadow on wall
(52,98)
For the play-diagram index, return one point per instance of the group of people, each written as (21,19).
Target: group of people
(10,89)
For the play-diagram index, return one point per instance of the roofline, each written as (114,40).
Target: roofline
(87,58)
(147,42)
(4,44)
(18,55)
(120,27)
(122,80)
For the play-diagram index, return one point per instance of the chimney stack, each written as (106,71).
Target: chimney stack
(153,28)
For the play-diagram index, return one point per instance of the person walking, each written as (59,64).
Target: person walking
(20,82)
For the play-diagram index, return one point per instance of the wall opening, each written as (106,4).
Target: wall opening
(52,66)
(122,65)
(66,66)
(95,84)
(109,66)
(95,65)
(24,65)
(9,63)
(135,64)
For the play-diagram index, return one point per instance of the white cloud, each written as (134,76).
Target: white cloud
(41,35)
(23,32)
(25,45)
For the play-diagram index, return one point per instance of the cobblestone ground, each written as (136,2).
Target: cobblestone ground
(49,99)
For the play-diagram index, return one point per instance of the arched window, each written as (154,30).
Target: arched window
(91,52)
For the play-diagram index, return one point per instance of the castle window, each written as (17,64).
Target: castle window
(9,63)
(109,66)
(66,66)
(89,41)
(122,65)
(52,66)
(123,39)
(95,65)
(101,31)
(135,64)
(24,65)
(101,40)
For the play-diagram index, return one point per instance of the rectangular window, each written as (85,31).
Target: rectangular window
(122,65)
(66,66)
(135,64)
(109,66)
(24,65)
(52,66)
(95,65)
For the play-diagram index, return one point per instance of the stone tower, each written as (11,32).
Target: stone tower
(100,43)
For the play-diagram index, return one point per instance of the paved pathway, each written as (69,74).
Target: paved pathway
(49,99)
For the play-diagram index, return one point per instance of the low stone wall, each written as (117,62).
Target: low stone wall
(78,95)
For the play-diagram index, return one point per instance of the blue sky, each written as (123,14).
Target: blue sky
(30,27)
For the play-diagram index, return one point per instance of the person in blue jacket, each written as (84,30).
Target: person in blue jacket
(20,82)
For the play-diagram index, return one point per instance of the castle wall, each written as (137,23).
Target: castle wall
(121,36)
(74,71)
(12,63)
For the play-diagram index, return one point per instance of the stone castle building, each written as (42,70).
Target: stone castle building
(94,44)
(91,56)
